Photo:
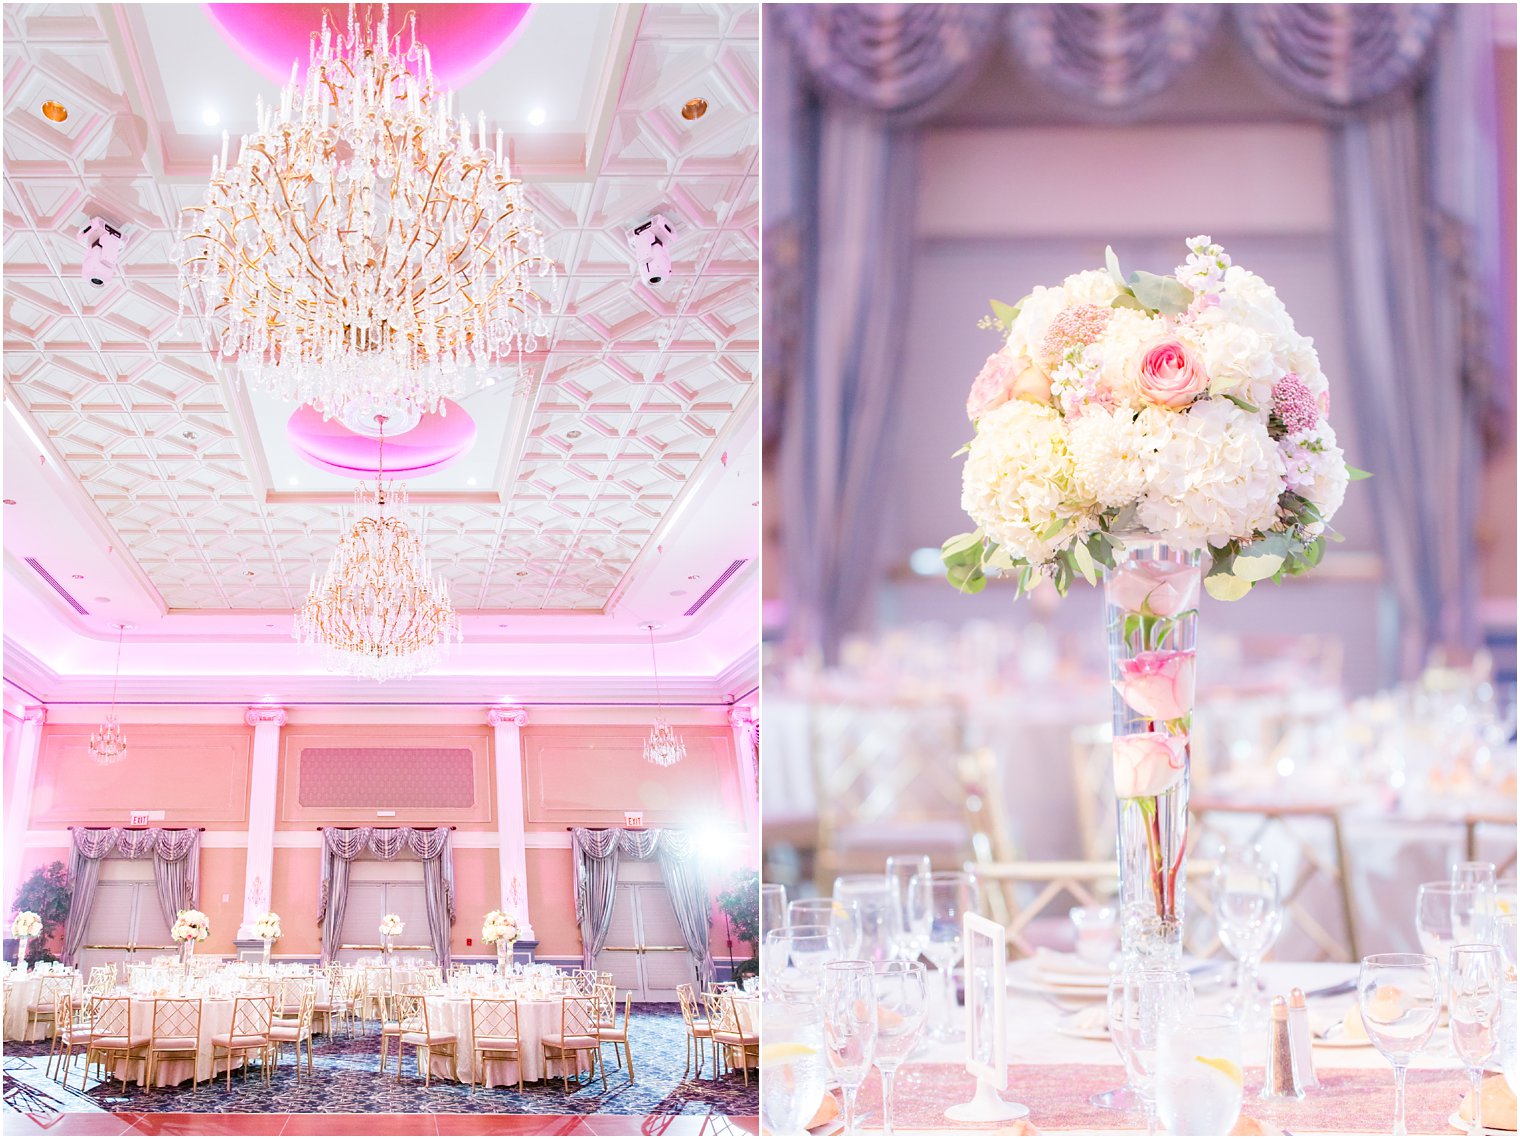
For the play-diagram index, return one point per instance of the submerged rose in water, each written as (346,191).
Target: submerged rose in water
(1147,763)
(1158,685)
(1163,591)
(1171,376)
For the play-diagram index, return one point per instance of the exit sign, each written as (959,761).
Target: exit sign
(143,818)
(633,820)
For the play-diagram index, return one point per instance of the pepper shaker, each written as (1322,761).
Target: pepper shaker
(1301,1042)
(1281,1081)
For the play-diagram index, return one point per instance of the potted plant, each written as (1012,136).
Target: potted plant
(740,904)
(45,893)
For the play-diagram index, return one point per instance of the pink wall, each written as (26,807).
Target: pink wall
(581,767)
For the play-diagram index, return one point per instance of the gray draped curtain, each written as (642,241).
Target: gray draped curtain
(1420,227)
(176,855)
(433,845)
(596,855)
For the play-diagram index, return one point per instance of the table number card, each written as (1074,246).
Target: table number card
(986,953)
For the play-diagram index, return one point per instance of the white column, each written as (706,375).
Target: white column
(19,815)
(741,718)
(513,850)
(258,874)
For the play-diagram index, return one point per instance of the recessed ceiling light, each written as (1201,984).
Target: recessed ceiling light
(190,435)
(54,111)
(210,117)
(247,573)
(522,573)
(694,109)
(572,434)
(538,117)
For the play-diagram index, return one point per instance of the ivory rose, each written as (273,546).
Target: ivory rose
(1147,763)
(1158,684)
(1003,377)
(1171,375)
(1161,592)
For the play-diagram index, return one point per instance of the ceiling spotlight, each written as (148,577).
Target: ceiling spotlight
(694,109)
(247,573)
(522,573)
(210,117)
(572,434)
(54,111)
(537,117)
(10,502)
(190,435)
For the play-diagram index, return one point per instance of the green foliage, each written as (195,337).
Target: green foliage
(740,903)
(1147,292)
(1005,315)
(46,893)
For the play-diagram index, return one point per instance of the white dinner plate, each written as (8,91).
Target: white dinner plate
(1461,1125)
(1068,1026)
(1024,978)
(1336,1038)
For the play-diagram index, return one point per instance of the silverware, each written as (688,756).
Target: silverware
(1050,1000)
(1333,990)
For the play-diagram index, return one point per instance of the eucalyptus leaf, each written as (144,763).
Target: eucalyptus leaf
(965,448)
(1053,529)
(1112,260)
(1356,474)
(1000,559)
(960,544)
(1005,314)
(1226,586)
(1127,300)
(1164,294)
(1254,567)
(1083,558)
(967,579)
(1243,404)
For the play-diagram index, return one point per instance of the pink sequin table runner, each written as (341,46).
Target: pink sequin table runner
(1350,1099)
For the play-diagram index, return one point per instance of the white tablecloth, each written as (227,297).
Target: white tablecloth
(216,1020)
(535,1020)
(22,994)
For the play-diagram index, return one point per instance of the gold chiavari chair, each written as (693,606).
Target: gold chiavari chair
(102,980)
(582,982)
(339,1005)
(605,979)
(493,1025)
(401,1016)
(430,977)
(730,1034)
(577,1034)
(45,1011)
(698,1027)
(294,1032)
(176,1030)
(379,987)
(112,1038)
(426,1041)
(72,1030)
(610,1032)
(292,995)
(252,1020)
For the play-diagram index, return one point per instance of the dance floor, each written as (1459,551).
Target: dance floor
(345,1095)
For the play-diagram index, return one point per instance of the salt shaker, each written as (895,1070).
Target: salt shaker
(1301,1042)
(1282,1081)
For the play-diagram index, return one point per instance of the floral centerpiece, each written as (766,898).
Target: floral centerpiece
(190,927)
(1140,426)
(501,930)
(267,929)
(26,926)
(390,926)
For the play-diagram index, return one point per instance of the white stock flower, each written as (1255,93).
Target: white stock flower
(1019,479)
(1036,313)
(1112,454)
(1090,287)
(1315,467)
(1218,475)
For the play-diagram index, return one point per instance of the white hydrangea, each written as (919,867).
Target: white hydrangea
(1120,348)
(1315,467)
(1248,340)
(1036,313)
(1090,287)
(1019,479)
(1218,475)
(1112,454)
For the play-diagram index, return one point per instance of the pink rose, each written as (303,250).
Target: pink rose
(1170,375)
(1002,378)
(1159,684)
(1161,592)
(1147,763)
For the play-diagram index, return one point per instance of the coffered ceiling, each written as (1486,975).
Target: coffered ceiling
(601,492)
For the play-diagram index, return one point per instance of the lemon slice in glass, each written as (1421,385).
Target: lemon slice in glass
(787,1052)
(1228,1067)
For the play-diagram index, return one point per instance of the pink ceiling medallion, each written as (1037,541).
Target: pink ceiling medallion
(464,39)
(435,442)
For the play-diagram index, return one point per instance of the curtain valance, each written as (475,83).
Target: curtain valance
(433,845)
(176,855)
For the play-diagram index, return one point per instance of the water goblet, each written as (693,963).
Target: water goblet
(875,903)
(1248,909)
(1472,902)
(772,907)
(791,1060)
(1504,934)
(1199,1079)
(902,1010)
(1475,988)
(937,904)
(849,1027)
(1141,1002)
(1434,906)
(840,914)
(901,870)
(793,959)
(1400,998)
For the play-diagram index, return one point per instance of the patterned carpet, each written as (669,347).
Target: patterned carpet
(347,1080)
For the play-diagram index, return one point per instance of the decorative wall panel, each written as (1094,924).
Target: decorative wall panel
(399,776)
(347,775)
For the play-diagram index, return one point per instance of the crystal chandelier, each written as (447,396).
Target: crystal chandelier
(663,747)
(378,611)
(365,242)
(107,744)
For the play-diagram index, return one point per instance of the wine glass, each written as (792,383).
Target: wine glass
(795,956)
(901,870)
(1433,909)
(1199,1079)
(1504,934)
(875,903)
(1472,902)
(1248,909)
(1476,985)
(1400,998)
(849,1027)
(842,915)
(902,1009)
(793,1081)
(1140,1003)
(772,907)
(937,903)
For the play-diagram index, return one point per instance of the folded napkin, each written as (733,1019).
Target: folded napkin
(1051,965)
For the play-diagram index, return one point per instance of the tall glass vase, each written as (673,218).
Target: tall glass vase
(186,950)
(1152,615)
(385,947)
(503,957)
(268,945)
(21,948)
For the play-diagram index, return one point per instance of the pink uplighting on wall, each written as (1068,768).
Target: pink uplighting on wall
(436,442)
(463,39)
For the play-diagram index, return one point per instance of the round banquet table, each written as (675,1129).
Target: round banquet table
(1053,1073)
(22,993)
(535,1020)
(216,1020)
